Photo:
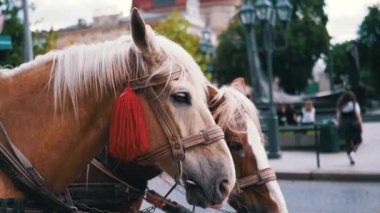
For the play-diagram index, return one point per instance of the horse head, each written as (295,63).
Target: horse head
(58,110)
(239,118)
(207,169)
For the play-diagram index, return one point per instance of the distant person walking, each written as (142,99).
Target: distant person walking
(350,123)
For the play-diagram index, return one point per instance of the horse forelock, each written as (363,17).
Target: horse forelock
(233,106)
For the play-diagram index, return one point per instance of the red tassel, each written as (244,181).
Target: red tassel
(128,133)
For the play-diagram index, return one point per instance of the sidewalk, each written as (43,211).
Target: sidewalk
(334,166)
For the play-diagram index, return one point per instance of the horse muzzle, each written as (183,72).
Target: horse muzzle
(207,195)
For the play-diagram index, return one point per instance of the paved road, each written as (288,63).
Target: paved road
(307,196)
(334,197)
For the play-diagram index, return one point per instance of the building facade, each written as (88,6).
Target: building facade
(215,14)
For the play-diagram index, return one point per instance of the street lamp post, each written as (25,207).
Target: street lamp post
(28,47)
(265,13)
(207,48)
(248,18)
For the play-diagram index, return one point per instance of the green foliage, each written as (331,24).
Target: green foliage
(14,28)
(339,58)
(307,37)
(176,28)
(44,42)
(369,46)
(231,54)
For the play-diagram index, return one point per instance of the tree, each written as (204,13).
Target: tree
(308,39)
(44,41)
(307,36)
(13,28)
(176,28)
(339,59)
(369,45)
(231,54)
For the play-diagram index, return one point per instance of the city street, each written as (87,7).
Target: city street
(307,196)
(334,197)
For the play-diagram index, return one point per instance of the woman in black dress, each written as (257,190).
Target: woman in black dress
(349,123)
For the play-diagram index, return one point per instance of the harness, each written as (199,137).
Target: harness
(27,178)
(259,177)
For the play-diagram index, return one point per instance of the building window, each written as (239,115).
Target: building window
(163,2)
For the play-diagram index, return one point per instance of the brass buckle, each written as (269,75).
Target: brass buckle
(205,136)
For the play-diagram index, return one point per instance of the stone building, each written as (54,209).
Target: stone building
(215,14)
(106,27)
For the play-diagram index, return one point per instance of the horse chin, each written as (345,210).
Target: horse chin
(197,195)
(219,206)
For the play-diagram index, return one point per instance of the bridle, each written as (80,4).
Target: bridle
(257,178)
(177,144)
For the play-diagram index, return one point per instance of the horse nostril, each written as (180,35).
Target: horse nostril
(223,187)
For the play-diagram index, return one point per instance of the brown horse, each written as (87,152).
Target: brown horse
(239,118)
(57,110)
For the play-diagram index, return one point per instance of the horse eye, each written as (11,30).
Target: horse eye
(234,146)
(182,97)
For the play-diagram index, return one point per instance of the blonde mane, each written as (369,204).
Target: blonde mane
(103,67)
(232,103)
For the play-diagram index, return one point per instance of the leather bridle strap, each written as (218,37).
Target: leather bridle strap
(261,177)
(24,175)
(149,81)
(167,124)
(177,144)
(205,137)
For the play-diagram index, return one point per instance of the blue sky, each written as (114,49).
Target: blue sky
(344,15)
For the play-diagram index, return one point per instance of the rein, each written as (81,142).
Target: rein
(150,195)
(25,176)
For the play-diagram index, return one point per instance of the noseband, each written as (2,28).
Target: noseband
(259,177)
(177,144)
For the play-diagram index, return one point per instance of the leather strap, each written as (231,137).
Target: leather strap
(107,172)
(151,196)
(167,124)
(260,177)
(23,174)
(149,81)
(205,137)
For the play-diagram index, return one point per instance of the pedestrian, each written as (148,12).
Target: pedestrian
(350,123)
(291,115)
(308,113)
(281,114)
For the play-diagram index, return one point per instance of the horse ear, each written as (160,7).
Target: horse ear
(214,99)
(240,85)
(142,35)
(212,91)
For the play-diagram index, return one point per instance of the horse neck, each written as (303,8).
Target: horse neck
(57,143)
